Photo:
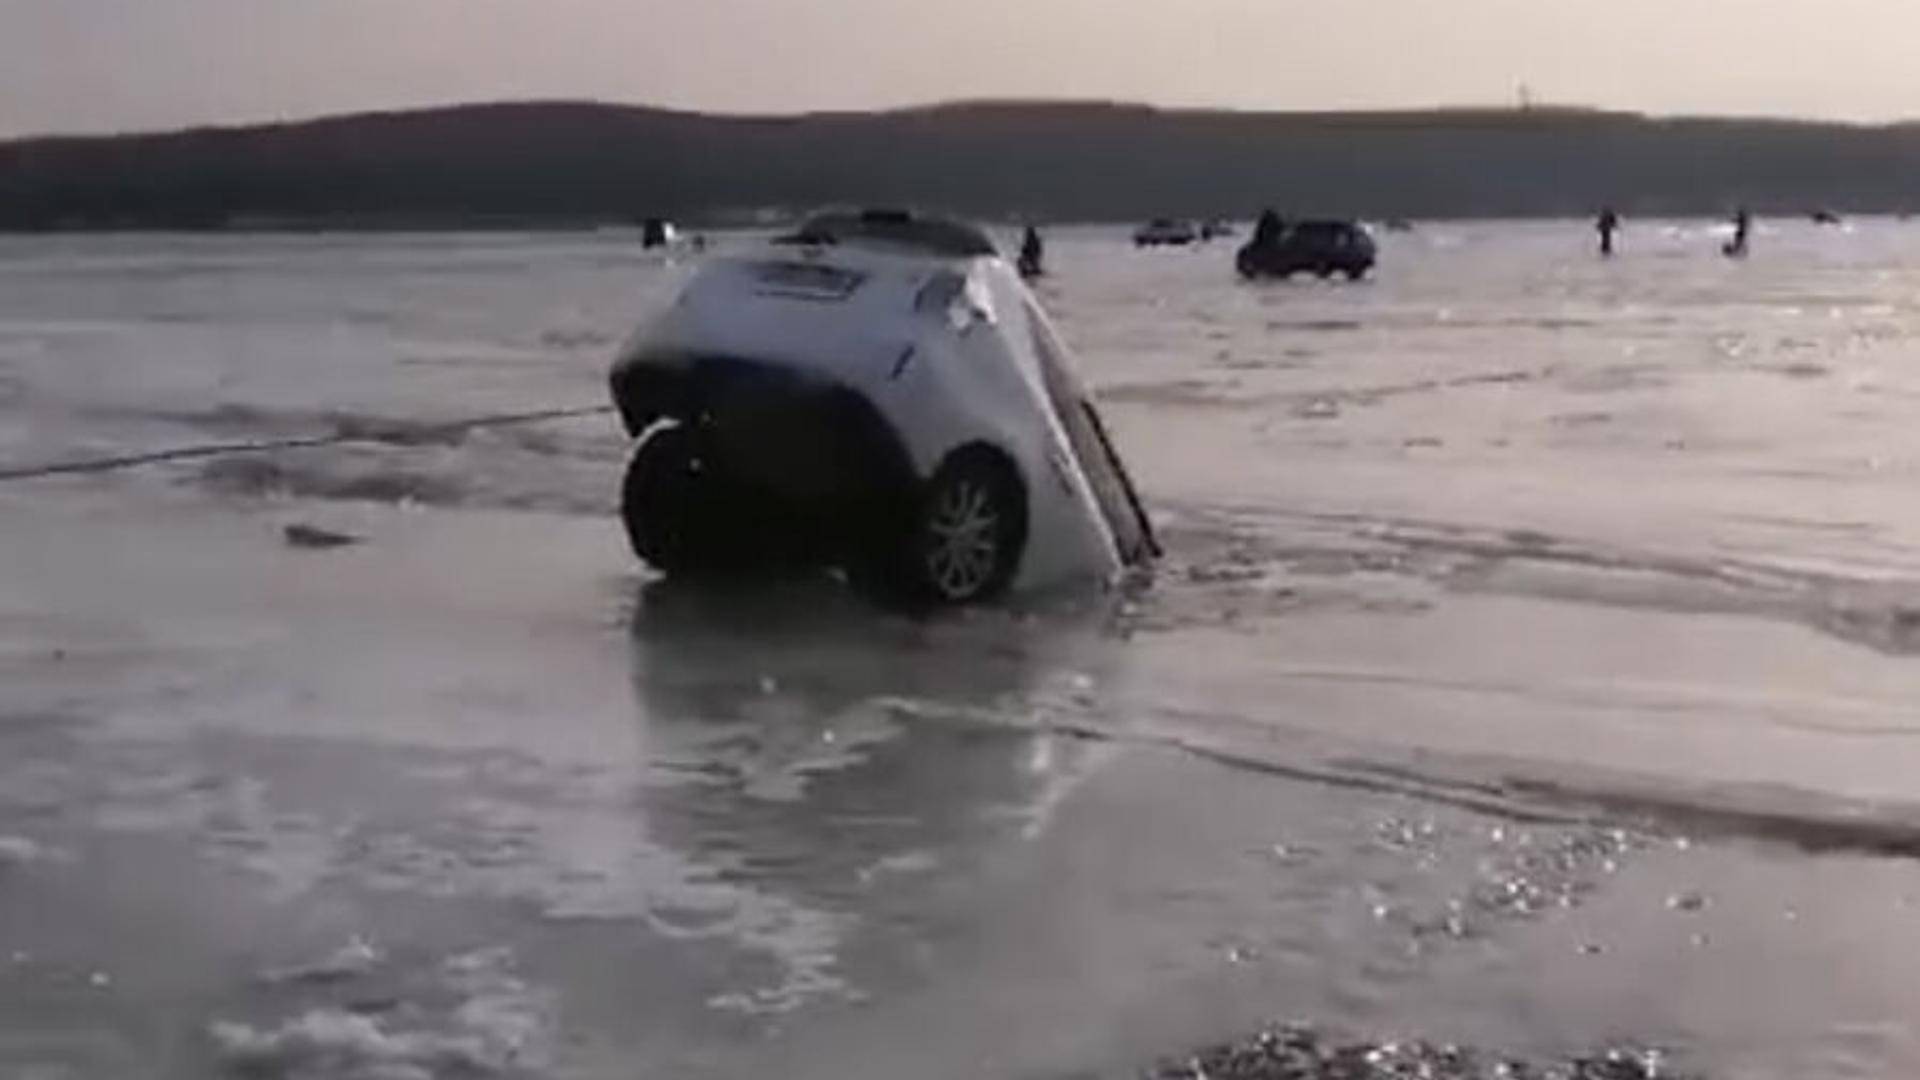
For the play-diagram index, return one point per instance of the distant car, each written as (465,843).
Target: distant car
(877,392)
(1165,232)
(1323,248)
(1215,229)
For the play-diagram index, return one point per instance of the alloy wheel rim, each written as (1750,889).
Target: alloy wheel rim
(964,539)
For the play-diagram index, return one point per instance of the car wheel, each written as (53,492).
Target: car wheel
(1323,271)
(970,530)
(658,497)
(685,515)
(1356,272)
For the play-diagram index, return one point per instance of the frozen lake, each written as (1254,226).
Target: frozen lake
(1533,668)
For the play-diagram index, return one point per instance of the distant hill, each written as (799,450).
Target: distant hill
(565,163)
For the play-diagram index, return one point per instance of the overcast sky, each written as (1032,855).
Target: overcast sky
(94,65)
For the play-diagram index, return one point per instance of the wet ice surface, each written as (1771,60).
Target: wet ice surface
(1528,686)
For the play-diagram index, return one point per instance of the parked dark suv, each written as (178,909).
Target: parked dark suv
(1319,247)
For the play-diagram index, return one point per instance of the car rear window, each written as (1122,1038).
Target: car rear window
(806,281)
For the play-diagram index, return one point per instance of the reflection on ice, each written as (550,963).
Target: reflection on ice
(818,750)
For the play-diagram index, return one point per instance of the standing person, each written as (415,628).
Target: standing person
(1608,224)
(1742,226)
(1033,253)
(1267,230)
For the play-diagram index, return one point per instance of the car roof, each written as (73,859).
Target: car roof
(894,229)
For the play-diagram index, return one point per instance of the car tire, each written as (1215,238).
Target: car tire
(658,500)
(1355,273)
(685,515)
(1323,271)
(968,532)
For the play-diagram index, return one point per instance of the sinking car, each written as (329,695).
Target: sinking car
(877,392)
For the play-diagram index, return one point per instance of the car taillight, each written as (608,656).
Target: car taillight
(961,300)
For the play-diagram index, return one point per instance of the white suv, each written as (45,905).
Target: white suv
(880,392)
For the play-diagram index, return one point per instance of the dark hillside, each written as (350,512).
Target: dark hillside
(580,163)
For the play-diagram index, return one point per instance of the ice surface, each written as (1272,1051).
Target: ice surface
(1531,670)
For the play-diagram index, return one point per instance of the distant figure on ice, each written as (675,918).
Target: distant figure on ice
(1267,230)
(1033,254)
(1608,224)
(1736,248)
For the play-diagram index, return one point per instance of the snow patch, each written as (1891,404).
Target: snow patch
(500,1027)
(333,1043)
(18,850)
(354,959)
